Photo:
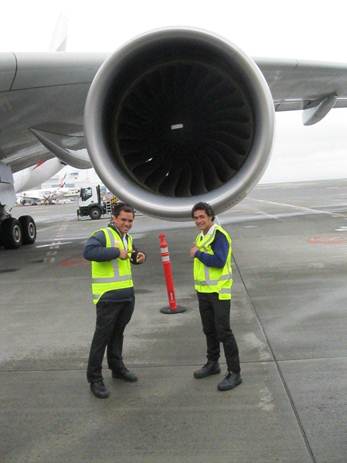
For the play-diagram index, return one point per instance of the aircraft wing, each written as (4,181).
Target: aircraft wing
(160,169)
(30,81)
(296,84)
(42,96)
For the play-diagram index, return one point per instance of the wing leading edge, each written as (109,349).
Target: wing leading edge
(312,86)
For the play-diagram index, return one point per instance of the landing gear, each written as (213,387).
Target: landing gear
(11,232)
(28,229)
(14,233)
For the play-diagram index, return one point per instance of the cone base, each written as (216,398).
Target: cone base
(168,310)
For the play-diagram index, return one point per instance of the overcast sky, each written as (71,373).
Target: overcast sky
(296,29)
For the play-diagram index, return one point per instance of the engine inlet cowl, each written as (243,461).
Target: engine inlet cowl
(178,116)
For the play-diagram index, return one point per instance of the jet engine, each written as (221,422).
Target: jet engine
(178,116)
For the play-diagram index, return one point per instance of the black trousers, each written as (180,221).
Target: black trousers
(111,320)
(215,318)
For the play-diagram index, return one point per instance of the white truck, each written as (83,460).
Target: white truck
(92,204)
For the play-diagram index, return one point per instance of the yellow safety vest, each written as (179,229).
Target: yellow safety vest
(213,279)
(112,274)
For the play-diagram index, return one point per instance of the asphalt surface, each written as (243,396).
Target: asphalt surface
(288,316)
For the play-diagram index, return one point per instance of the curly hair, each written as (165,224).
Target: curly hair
(203,207)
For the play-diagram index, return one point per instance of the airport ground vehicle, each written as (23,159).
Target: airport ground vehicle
(94,202)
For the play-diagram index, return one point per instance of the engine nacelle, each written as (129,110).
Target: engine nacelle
(179,116)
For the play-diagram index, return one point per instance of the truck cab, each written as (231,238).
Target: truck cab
(91,203)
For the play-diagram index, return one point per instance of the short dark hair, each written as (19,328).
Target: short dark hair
(203,207)
(119,207)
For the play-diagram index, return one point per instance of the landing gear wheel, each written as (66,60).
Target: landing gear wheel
(95,213)
(11,232)
(28,229)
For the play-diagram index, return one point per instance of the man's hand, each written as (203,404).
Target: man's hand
(123,254)
(193,251)
(140,257)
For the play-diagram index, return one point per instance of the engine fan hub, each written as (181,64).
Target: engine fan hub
(183,129)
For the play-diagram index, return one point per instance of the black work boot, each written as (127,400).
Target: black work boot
(124,373)
(230,381)
(99,389)
(210,368)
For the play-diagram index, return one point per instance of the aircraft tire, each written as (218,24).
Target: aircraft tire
(11,231)
(28,229)
(95,213)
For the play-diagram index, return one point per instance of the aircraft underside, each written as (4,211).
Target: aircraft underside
(174,117)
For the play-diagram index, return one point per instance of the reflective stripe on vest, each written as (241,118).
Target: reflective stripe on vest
(114,274)
(213,279)
(207,282)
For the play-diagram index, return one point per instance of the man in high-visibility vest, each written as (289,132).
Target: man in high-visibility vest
(111,253)
(212,253)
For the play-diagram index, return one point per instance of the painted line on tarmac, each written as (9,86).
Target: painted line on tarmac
(267,215)
(60,240)
(47,228)
(55,244)
(258,217)
(302,208)
(327,239)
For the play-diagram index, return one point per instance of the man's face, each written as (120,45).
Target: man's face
(124,221)
(202,220)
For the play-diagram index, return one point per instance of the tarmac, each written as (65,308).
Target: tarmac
(288,316)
